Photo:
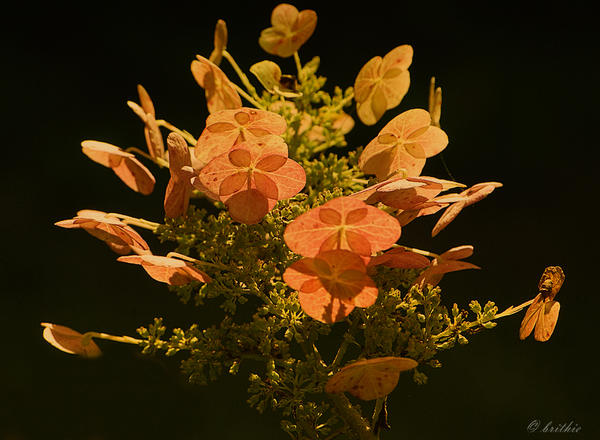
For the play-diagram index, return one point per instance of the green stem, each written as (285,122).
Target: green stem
(140,222)
(157,160)
(378,407)
(342,103)
(195,261)
(123,339)
(344,345)
(241,75)
(509,311)
(298,64)
(186,135)
(352,417)
(248,97)
(417,251)
(512,310)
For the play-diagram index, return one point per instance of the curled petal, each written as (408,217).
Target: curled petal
(70,341)
(179,188)
(401,258)
(220,94)
(120,237)
(167,270)
(130,170)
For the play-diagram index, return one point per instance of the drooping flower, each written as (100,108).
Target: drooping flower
(220,94)
(252,177)
(370,378)
(220,41)
(342,223)
(449,261)
(227,128)
(147,114)
(405,192)
(179,188)
(403,145)
(470,196)
(130,170)
(168,270)
(331,284)
(400,258)
(70,341)
(427,207)
(382,83)
(543,312)
(290,29)
(120,237)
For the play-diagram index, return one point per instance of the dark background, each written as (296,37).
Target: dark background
(520,107)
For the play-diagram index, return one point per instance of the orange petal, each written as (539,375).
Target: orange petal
(400,258)
(457,253)
(248,206)
(370,379)
(547,318)
(290,30)
(219,92)
(306,234)
(323,307)
(179,188)
(531,317)
(70,341)
(167,270)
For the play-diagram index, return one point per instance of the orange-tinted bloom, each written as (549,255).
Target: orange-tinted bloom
(130,170)
(120,237)
(382,83)
(342,223)
(167,270)
(220,94)
(290,29)
(449,261)
(251,177)
(403,145)
(331,284)
(70,341)
(370,378)
(543,312)
(471,195)
(227,128)
(179,189)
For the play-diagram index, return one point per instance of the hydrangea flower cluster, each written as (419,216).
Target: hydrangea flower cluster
(270,212)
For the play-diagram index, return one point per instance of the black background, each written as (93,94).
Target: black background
(520,107)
